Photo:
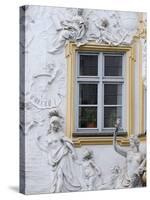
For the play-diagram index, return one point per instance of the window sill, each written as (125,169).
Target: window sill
(101,140)
(98,134)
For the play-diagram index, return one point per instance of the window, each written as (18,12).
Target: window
(100,88)
(99,91)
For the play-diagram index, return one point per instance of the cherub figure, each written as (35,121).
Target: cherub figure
(106,35)
(72,29)
(91,173)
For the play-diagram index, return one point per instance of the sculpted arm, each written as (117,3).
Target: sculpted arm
(97,168)
(117,148)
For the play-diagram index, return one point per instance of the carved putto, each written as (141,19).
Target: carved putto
(72,29)
(106,29)
(110,34)
(92,175)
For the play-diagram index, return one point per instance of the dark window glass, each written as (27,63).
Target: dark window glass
(87,117)
(111,114)
(113,66)
(112,94)
(88,65)
(88,94)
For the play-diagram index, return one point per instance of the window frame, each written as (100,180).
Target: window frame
(86,138)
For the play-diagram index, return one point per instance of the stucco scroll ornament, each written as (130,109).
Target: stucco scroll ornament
(61,156)
(92,175)
(47,89)
(73,29)
(108,34)
(141,29)
(134,161)
(142,34)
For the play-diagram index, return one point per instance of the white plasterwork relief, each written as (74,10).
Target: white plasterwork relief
(91,173)
(64,162)
(110,35)
(31,117)
(114,181)
(73,29)
(47,89)
(135,161)
(105,29)
(61,156)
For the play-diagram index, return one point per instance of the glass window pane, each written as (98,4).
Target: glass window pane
(113,66)
(87,117)
(88,65)
(112,94)
(111,114)
(88,94)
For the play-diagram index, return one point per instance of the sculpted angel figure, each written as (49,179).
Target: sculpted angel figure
(72,29)
(61,157)
(92,175)
(135,160)
(106,34)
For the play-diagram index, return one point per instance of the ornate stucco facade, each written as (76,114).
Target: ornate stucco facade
(49,38)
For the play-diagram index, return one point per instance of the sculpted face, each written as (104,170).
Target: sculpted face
(55,123)
(134,142)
